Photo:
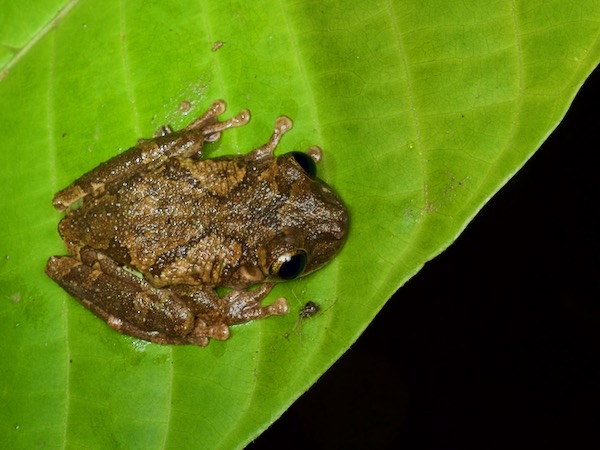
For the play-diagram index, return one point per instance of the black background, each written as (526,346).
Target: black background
(495,343)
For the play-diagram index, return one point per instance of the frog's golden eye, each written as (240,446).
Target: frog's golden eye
(307,163)
(289,265)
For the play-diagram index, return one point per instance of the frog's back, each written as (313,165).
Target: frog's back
(182,222)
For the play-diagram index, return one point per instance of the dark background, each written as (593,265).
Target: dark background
(495,343)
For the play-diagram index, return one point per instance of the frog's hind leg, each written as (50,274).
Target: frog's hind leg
(149,153)
(126,302)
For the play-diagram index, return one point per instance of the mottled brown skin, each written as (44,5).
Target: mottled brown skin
(189,226)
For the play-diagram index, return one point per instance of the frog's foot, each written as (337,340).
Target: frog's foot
(211,127)
(283,124)
(203,331)
(244,306)
(128,303)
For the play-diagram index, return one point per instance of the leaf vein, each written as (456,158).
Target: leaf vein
(53,23)
(127,69)
(412,103)
(303,72)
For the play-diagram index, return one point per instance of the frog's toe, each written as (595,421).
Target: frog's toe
(219,331)
(279,307)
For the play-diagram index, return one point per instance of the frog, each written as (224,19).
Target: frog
(167,245)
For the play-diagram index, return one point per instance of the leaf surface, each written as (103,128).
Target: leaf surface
(423,109)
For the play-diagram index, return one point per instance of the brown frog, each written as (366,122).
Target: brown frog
(158,230)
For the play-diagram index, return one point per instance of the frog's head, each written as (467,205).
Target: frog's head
(313,221)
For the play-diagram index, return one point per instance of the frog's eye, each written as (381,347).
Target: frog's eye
(289,265)
(307,163)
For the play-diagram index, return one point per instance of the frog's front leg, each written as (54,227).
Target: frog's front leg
(128,303)
(244,306)
(237,306)
(186,142)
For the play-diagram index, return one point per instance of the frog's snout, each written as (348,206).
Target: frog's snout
(342,224)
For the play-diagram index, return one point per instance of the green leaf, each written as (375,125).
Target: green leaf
(423,109)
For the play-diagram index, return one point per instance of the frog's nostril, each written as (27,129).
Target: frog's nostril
(342,224)
(340,231)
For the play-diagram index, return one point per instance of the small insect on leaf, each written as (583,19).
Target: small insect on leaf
(309,310)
